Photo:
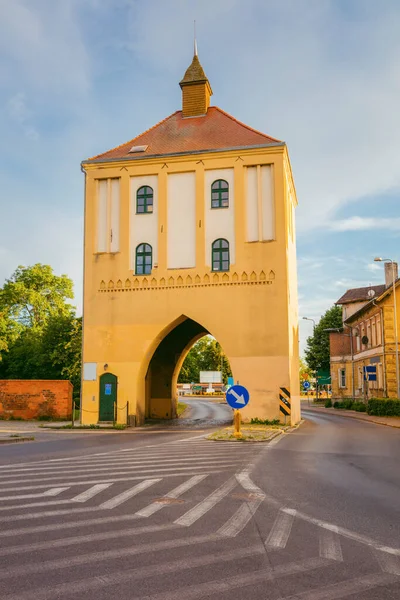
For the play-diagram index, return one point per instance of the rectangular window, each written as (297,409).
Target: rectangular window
(342,378)
(373,334)
(108,215)
(369,335)
(360,378)
(378,332)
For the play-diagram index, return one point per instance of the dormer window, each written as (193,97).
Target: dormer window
(144,200)
(220,194)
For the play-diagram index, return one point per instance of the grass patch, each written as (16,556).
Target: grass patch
(181,408)
(250,433)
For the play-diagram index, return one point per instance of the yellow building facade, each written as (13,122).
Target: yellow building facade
(189,230)
(368,340)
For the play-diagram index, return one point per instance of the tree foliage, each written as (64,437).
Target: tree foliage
(317,351)
(40,336)
(205,355)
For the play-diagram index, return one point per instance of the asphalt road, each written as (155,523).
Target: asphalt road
(168,515)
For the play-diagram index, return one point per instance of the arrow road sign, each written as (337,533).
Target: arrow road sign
(237,396)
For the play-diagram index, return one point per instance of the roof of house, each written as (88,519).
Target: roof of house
(361,294)
(194,72)
(216,130)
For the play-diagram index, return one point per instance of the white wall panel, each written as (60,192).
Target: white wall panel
(267,203)
(252,205)
(144,226)
(219,222)
(181,214)
(102,216)
(115,215)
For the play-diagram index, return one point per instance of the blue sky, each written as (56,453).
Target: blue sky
(80,76)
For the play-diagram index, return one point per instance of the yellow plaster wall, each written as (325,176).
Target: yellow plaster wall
(251,311)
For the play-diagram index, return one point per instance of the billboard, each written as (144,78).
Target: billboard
(210,377)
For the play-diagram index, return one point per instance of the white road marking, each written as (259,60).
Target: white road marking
(111,464)
(387,562)
(52,492)
(107,480)
(245,513)
(280,531)
(205,505)
(103,555)
(91,492)
(346,588)
(329,545)
(124,496)
(105,580)
(145,471)
(83,539)
(175,493)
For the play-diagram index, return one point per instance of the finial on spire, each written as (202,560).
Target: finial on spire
(195,40)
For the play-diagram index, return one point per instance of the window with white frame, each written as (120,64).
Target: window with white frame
(108,215)
(373,333)
(342,378)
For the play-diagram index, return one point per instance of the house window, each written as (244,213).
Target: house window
(144,199)
(144,259)
(220,194)
(373,333)
(342,378)
(220,255)
(108,215)
(378,332)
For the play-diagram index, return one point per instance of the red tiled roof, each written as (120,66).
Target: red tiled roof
(361,294)
(214,131)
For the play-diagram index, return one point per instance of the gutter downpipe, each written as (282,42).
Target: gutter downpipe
(83,288)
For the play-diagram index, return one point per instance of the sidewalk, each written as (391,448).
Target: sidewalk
(389,421)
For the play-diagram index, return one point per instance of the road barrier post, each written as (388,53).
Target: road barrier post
(236,423)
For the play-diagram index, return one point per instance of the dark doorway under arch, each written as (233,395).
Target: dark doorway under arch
(164,368)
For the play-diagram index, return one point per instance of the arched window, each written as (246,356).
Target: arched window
(220,255)
(144,199)
(144,259)
(220,194)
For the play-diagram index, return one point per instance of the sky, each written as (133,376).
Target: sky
(78,77)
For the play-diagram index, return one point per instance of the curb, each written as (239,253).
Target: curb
(341,413)
(16,440)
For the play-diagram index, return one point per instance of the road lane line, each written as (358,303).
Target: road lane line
(104,555)
(98,582)
(329,545)
(145,472)
(124,496)
(52,492)
(344,589)
(280,531)
(91,492)
(205,505)
(175,493)
(387,562)
(83,539)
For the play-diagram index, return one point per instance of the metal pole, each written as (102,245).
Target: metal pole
(395,333)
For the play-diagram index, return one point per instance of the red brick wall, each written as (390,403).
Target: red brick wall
(30,399)
(339,344)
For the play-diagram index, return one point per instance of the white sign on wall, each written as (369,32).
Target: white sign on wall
(89,371)
(210,377)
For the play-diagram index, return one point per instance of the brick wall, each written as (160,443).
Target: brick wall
(339,344)
(30,399)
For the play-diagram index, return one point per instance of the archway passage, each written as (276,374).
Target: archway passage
(164,368)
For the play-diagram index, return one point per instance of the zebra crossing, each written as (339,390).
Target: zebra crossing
(121,522)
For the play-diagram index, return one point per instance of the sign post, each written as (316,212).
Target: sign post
(237,397)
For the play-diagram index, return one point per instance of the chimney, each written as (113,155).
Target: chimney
(390,271)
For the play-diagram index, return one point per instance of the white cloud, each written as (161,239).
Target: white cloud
(358,223)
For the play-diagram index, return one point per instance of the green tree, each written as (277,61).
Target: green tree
(317,351)
(34,294)
(205,355)
(304,371)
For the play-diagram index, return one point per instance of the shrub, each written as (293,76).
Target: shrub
(382,407)
(328,403)
(347,404)
(257,421)
(337,404)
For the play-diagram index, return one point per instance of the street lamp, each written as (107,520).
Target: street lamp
(378,259)
(316,372)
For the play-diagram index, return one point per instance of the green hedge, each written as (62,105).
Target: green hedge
(350,405)
(384,408)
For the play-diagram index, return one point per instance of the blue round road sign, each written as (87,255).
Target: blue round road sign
(237,396)
(306,385)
